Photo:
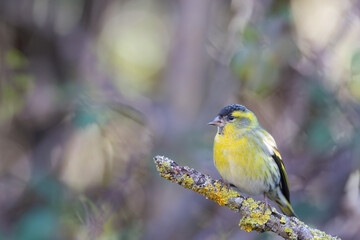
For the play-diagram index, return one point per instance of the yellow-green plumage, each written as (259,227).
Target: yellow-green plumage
(246,156)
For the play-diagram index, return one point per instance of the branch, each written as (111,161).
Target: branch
(252,211)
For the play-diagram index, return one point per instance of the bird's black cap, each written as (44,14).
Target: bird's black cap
(231,108)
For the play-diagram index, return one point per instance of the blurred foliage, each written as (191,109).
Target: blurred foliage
(354,83)
(134,51)
(91,90)
(265,51)
(16,83)
(37,224)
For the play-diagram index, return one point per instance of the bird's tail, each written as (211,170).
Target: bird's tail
(283,203)
(287,209)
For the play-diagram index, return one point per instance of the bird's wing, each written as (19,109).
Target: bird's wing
(284,182)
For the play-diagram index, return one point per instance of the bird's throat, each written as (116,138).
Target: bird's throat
(221,130)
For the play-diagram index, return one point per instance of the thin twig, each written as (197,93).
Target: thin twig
(252,211)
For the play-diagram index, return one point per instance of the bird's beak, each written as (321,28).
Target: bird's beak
(218,121)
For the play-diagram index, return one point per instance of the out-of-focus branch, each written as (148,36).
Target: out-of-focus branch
(252,211)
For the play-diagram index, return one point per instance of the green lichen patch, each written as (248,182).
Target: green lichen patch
(251,204)
(212,192)
(321,235)
(161,165)
(290,233)
(257,218)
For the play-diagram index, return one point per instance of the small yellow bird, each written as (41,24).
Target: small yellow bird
(246,156)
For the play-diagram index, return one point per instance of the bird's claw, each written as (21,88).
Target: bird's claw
(223,183)
(266,205)
(264,208)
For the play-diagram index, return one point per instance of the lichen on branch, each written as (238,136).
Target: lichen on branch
(253,216)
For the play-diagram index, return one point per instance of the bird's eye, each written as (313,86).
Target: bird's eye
(231,117)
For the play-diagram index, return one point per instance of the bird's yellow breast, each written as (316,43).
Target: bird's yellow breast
(241,161)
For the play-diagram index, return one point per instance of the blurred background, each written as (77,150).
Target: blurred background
(91,90)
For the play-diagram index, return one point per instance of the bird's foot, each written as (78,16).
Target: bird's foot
(265,204)
(264,208)
(224,183)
